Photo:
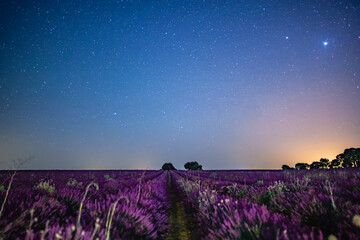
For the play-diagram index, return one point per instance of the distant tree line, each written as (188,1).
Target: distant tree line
(348,159)
(188,166)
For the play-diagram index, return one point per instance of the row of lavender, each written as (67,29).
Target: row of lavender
(85,205)
(319,204)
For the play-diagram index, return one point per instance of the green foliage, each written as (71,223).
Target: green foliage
(107,177)
(278,187)
(72,182)
(231,189)
(272,191)
(46,185)
(356,220)
(241,193)
(188,186)
(2,188)
(300,185)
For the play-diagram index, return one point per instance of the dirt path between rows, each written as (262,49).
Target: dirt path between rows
(177,218)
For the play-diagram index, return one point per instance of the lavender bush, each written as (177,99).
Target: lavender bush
(48,205)
(311,204)
(317,204)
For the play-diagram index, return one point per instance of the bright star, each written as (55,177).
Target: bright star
(325,43)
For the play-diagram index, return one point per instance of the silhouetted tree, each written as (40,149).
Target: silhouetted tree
(351,157)
(324,163)
(168,166)
(193,166)
(340,157)
(301,166)
(335,163)
(316,165)
(357,157)
(286,167)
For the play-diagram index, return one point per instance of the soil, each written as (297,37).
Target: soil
(178,220)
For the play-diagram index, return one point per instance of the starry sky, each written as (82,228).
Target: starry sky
(135,84)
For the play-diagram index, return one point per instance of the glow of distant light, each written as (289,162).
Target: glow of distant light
(325,43)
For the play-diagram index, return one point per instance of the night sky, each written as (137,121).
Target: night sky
(135,84)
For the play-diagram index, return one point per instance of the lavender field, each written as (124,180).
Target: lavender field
(309,204)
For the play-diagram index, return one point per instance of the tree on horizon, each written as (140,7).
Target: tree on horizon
(193,166)
(168,166)
(348,159)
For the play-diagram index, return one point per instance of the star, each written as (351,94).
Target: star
(325,43)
